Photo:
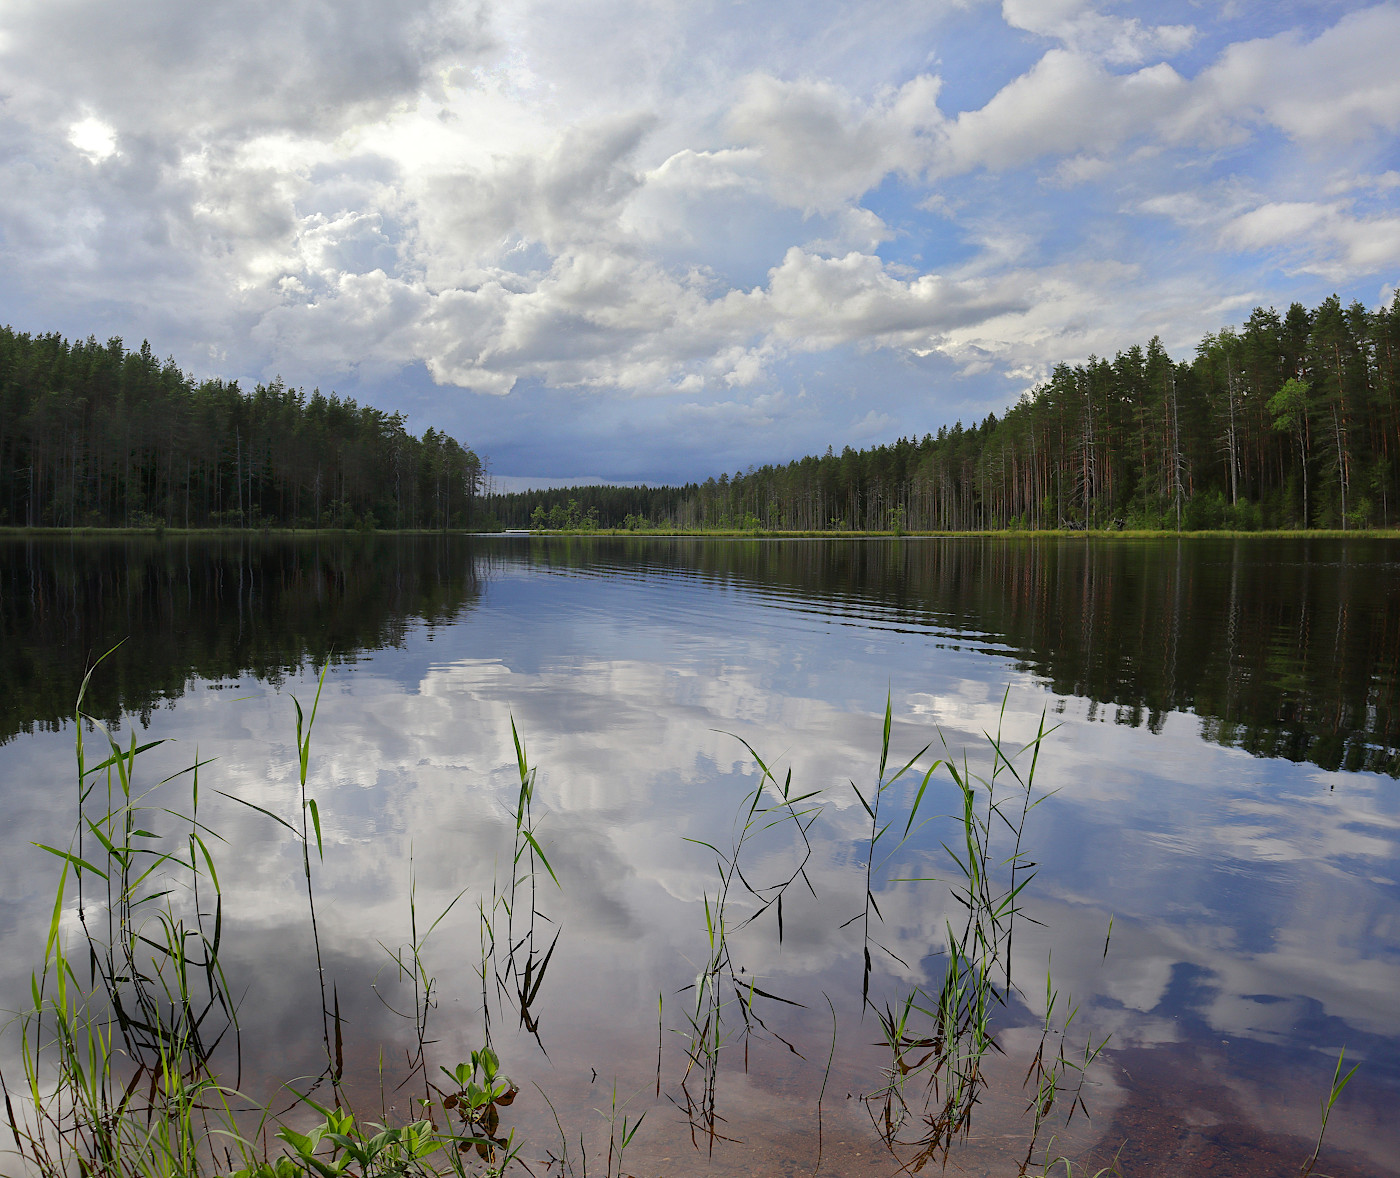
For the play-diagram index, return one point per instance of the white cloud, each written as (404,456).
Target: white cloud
(821,148)
(819,301)
(613,321)
(1351,182)
(1121,41)
(644,199)
(1276,224)
(1066,104)
(1339,86)
(1321,238)
(382,313)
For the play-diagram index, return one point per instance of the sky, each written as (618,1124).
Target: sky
(652,240)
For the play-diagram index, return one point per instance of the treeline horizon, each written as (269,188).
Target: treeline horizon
(96,435)
(1290,421)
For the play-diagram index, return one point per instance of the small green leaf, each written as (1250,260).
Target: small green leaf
(316,822)
(79,865)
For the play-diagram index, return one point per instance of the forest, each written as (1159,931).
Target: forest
(1285,422)
(96,435)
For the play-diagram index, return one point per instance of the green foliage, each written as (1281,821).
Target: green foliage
(119,1074)
(1206,511)
(478,1094)
(1290,406)
(96,435)
(1338,1086)
(938,1037)
(565,517)
(715,1021)
(1132,441)
(376,1150)
(120,1077)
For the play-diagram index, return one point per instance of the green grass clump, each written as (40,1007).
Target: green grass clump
(118,1050)
(129,1051)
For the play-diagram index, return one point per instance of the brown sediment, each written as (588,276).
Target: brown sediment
(1182,1113)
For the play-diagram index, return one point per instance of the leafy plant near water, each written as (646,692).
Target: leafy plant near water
(521,972)
(720,984)
(940,1037)
(1055,1073)
(117,1051)
(1339,1083)
(131,1005)
(950,1027)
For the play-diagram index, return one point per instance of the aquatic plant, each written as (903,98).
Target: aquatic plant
(938,1037)
(117,1052)
(130,1051)
(720,984)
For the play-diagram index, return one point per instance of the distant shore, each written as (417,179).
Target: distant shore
(700,533)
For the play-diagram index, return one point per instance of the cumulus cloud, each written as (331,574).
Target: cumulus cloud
(1067,103)
(1119,40)
(650,200)
(1322,238)
(821,148)
(822,301)
(598,319)
(1337,85)
(1340,85)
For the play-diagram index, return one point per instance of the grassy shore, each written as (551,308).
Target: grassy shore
(713,533)
(219,533)
(1019,533)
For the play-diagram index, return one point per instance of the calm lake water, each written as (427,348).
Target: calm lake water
(1221,781)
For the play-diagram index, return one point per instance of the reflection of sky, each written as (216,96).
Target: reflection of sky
(1254,901)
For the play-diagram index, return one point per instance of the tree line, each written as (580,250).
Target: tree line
(97,435)
(1285,422)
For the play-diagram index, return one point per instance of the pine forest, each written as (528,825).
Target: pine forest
(1290,421)
(95,435)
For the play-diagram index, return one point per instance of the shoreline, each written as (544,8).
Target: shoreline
(18,532)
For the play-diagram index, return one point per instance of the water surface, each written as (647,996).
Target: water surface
(1224,770)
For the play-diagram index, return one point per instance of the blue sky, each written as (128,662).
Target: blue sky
(655,240)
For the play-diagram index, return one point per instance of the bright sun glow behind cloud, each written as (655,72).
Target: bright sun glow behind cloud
(93,138)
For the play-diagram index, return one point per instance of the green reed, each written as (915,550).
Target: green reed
(1339,1083)
(720,985)
(129,1053)
(118,1051)
(939,1038)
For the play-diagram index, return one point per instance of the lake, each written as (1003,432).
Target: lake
(1213,878)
